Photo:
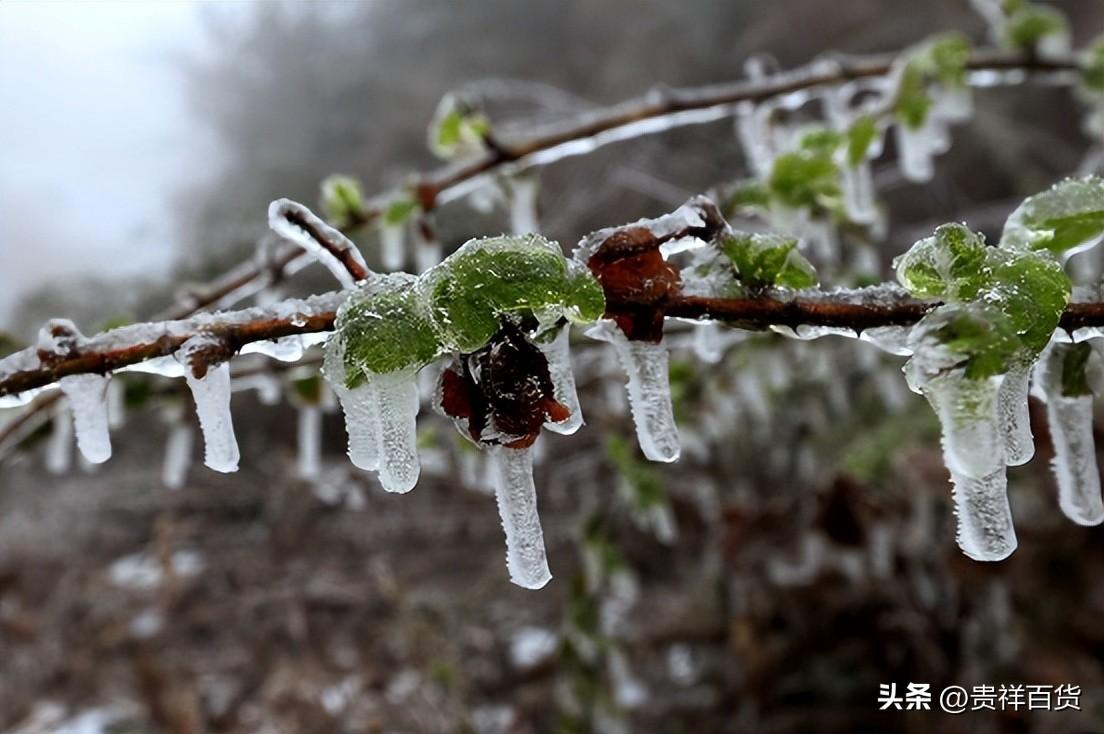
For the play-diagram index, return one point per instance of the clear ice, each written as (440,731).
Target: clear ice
(558,354)
(212,400)
(88,400)
(516,493)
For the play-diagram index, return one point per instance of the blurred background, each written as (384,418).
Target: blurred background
(800,553)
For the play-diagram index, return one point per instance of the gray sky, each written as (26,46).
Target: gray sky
(95,137)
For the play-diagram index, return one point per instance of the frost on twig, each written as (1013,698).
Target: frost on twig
(329,246)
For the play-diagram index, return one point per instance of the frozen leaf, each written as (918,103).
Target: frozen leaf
(945,265)
(458,130)
(768,260)
(1065,219)
(342,201)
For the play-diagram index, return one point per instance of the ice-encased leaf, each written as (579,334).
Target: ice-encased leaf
(1038,29)
(342,200)
(385,327)
(646,366)
(526,559)
(808,177)
(488,278)
(88,400)
(946,265)
(1062,220)
(768,260)
(861,136)
(459,128)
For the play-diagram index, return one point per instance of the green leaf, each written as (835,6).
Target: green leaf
(1092,70)
(747,196)
(1032,289)
(342,200)
(1075,373)
(946,265)
(977,337)
(807,177)
(459,128)
(1030,24)
(860,136)
(1067,216)
(523,275)
(766,260)
(386,329)
(398,211)
(949,54)
(308,389)
(940,61)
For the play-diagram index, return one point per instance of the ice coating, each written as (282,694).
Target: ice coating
(392,246)
(857,184)
(88,400)
(212,400)
(178,456)
(1015,420)
(396,399)
(918,146)
(973,444)
(309,441)
(985,531)
(284,349)
(646,366)
(516,493)
(281,214)
(358,404)
(558,354)
(523,204)
(1070,417)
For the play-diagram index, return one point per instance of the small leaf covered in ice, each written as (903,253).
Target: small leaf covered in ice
(1037,28)
(398,210)
(458,129)
(488,278)
(1092,69)
(768,260)
(1067,217)
(860,137)
(808,176)
(385,328)
(940,62)
(342,200)
(946,265)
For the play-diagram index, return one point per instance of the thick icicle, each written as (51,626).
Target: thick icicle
(59,451)
(972,442)
(517,505)
(857,184)
(558,354)
(645,364)
(709,343)
(88,399)
(1070,417)
(178,456)
(212,399)
(309,436)
(523,204)
(392,250)
(985,531)
(396,398)
(916,148)
(1015,420)
(359,406)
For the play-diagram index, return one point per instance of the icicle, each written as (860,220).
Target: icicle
(558,354)
(523,204)
(396,399)
(212,399)
(985,531)
(88,400)
(645,364)
(359,406)
(972,441)
(1071,430)
(116,404)
(392,249)
(915,150)
(858,193)
(1015,420)
(517,505)
(178,456)
(427,249)
(59,454)
(309,436)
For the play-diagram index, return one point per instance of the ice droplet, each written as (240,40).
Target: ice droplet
(212,400)
(1015,421)
(649,389)
(558,354)
(178,456)
(526,560)
(985,531)
(88,400)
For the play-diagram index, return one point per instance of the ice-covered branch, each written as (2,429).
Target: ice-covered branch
(297,223)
